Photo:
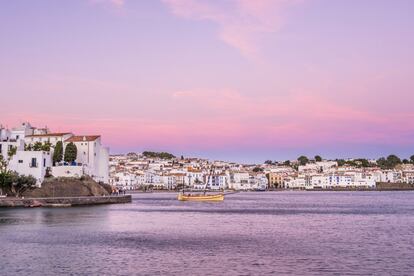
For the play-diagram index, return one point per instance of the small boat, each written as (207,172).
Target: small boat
(182,196)
(198,197)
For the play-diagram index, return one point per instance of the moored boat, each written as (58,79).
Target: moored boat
(197,197)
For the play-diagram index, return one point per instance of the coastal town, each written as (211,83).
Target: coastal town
(39,153)
(164,171)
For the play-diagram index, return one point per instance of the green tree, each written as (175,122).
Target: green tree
(58,153)
(361,162)
(21,183)
(268,162)
(341,162)
(318,158)
(412,158)
(406,161)
(71,152)
(393,161)
(37,146)
(12,151)
(161,155)
(257,169)
(303,160)
(46,146)
(382,163)
(286,163)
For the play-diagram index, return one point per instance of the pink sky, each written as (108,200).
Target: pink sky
(233,79)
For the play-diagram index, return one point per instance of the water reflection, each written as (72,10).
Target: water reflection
(248,233)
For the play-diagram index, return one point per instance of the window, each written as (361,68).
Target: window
(17,137)
(20,161)
(44,162)
(1,148)
(33,164)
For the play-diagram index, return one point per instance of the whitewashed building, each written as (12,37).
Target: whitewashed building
(34,163)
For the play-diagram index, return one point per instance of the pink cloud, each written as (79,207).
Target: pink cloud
(117,3)
(240,22)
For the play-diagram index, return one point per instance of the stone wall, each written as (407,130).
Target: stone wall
(63,201)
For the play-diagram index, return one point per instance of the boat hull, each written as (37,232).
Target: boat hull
(219,197)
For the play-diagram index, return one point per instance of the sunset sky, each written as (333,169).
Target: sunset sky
(242,80)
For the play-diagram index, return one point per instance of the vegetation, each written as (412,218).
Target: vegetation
(58,153)
(12,183)
(161,155)
(257,169)
(412,159)
(12,151)
(286,163)
(38,146)
(318,158)
(268,162)
(71,152)
(303,160)
(390,162)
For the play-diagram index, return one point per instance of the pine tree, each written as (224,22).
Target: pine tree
(71,152)
(58,153)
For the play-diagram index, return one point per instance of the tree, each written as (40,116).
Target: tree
(341,162)
(318,158)
(46,146)
(393,161)
(12,151)
(58,153)
(257,169)
(412,158)
(268,162)
(382,163)
(37,146)
(13,183)
(161,155)
(361,162)
(71,152)
(21,183)
(286,163)
(303,160)
(389,163)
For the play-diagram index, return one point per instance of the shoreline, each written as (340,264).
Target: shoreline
(12,202)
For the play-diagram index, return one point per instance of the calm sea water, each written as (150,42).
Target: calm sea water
(280,233)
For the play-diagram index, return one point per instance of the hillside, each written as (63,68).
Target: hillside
(69,187)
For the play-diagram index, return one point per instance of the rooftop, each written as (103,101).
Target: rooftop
(84,138)
(50,135)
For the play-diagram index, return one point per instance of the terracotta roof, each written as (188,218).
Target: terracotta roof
(84,138)
(50,134)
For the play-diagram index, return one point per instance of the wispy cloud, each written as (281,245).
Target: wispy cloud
(241,23)
(117,3)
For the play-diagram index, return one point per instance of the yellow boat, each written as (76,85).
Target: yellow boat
(189,197)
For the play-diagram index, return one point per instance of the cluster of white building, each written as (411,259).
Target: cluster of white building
(92,158)
(328,175)
(134,171)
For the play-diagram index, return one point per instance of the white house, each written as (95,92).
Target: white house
(34,163)
(92,156)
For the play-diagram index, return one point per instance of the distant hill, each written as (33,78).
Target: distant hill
(161,155)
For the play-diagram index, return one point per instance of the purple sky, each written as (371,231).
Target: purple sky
(233,79)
